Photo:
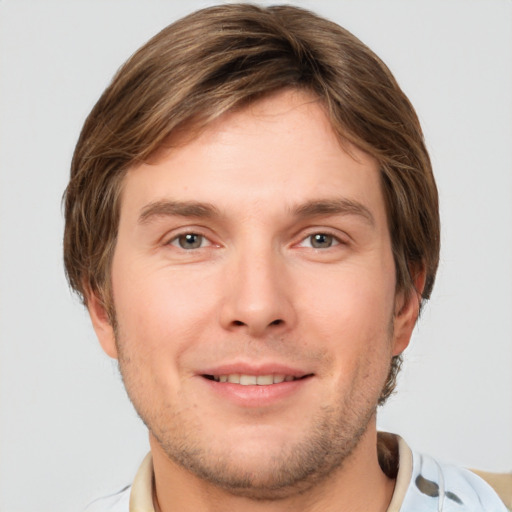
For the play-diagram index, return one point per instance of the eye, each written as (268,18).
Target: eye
(190,241)
(320,241)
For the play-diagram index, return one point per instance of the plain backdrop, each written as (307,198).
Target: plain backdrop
(67,431)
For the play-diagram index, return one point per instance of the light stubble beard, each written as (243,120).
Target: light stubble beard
(330,438)
(294,470)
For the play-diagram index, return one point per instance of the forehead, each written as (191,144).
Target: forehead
(279,150)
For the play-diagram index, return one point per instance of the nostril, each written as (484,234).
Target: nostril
(239,323)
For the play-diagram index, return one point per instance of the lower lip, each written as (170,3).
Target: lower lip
(253,395)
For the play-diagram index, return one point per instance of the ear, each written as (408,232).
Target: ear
(101,323)
(407,309)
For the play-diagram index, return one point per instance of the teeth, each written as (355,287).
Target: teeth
(264,380)
(253,380)
(248,380)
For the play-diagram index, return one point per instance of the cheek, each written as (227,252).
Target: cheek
(347,299)
(158,323)
(159,310)
(351,316)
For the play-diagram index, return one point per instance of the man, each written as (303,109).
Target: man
(252,222)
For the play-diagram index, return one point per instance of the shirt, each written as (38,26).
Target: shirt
(422,485)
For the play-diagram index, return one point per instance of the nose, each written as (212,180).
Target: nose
(257,298)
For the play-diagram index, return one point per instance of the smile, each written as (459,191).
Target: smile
(253,380)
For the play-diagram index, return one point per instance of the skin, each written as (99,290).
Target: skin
(290,270)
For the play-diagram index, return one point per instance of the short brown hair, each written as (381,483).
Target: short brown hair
(224,57)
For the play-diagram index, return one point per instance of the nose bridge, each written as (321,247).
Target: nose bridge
(257,299)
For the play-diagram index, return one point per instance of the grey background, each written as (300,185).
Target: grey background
(67,431)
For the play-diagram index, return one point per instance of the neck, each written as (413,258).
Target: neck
(358,485)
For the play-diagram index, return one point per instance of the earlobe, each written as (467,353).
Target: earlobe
(407,309)
(102,324)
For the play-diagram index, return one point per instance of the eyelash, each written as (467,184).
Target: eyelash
(334,240)
(176,241)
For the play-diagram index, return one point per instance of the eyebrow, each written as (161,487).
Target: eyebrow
(341,206)
(167,208)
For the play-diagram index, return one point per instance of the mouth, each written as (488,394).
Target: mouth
(254,380)
(252,386)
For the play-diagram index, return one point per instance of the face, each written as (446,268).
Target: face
(254,290)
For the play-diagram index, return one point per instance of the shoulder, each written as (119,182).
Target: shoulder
(438,486)
(140,493)
(117,502)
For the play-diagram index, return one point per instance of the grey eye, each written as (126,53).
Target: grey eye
(321,241)
(190,241)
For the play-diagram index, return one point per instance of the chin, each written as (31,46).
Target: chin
(269,464)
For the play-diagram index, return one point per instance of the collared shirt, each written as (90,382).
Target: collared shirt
(422,485)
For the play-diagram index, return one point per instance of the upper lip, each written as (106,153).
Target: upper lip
(255,369)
